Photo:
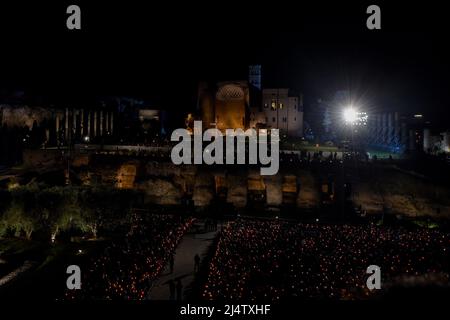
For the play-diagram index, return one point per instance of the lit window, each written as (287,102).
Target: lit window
(281,106)
(273,105)
(266,105)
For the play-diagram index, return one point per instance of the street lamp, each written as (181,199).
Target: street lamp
(350,115)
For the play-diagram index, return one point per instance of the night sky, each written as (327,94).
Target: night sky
(160,52)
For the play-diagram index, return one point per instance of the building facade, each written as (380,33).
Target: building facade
(225,105)
(280,111)
(246,104)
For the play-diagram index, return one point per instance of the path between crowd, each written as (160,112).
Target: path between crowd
(191,244)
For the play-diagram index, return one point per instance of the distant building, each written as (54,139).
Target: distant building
(242,104)
(405,132)
(224,105)
(436,143)
(394,132)
(255,76)
(279,110)
(156,119)
(446,141)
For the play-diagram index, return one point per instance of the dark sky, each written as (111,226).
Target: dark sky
(160,51)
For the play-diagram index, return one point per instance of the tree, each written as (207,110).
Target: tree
(88,213)
(22,216)
(70,212)
(50,201)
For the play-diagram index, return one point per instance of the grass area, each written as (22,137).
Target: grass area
(319,148)
(383,154)
(426,224)
(303,145)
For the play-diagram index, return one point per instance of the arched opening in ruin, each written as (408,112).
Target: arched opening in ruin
(290,190)
(256,191)
(221,188)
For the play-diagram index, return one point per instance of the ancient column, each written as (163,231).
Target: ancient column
(379,129)
(82,123)
(66,133)
(396,130)
(107,122)
(57,124)
(390,131)
(384,139)
(95,123)
(372,130)
(74,122)
(111,126)
(101,123)
(89,124)
(404,135)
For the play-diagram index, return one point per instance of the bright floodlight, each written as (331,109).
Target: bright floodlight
(350,115)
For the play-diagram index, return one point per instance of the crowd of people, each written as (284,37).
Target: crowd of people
(127,267)
(274,259)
